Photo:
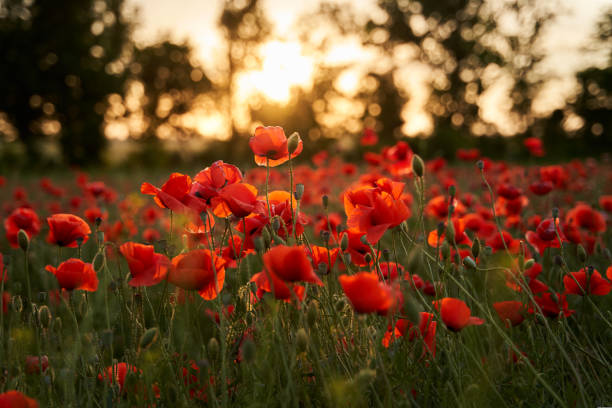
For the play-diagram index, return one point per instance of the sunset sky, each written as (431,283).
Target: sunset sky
(285,65)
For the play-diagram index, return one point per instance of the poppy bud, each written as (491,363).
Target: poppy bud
(275,224)
(248,350)
(445,250)
(364,240)
(301,340)
(418,167)
(480,165)
(344,242)
(340,305)
(325,201)
(204,217)
(475,248)
(440,228)
(412,310)
(299,191)
(23,240)
(213,348)
(608,254)
(582,255)
(367,258)
(452,190)
(325,236)
(469,263)
(529,263)
(450,233)
(98,221)
(278,240)
(322,268)
(44,317)
(79,241)
(347,258)
(340,228)
(312,314)
(267,238)
(148,338)
(100,236)
(293,142)
(555,212)
(259,244)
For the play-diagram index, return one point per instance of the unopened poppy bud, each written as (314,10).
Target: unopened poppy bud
(312,315)
(582,255)
(452,190)
(322,268)
(445,250)
(340,305)
(469,263)
(81,306)
(418,167)
(148,338)
(480,165)
(79,241)
(555,212)
(299,191)
(293,142)
(204,217)
(386,255)
(364,240)
(100,236)
(475,248)
(368,258)
(412,310)
(325,201)
(249,351)
(17,304)
(529,263)
(260,247)
(23,240)
(267,238)
(450,233)
(44,317)
(440,228)
(340,228)
(97,222)
(213,348)
(301,340)
(344,242)
(347,258)
(325,236)
(275,224)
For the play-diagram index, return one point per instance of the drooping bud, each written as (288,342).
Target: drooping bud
(299,191)
(148,338)
(582,255)
(275,224)
(301,340)
(450,233)
(418,167)
(368,258)
(344,242)
(469,263)
(293,142)
(476,247)
(23,240)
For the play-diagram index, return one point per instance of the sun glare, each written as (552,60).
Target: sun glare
(284,67)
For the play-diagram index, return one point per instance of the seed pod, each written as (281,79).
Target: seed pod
(301,340)
(299,191)
(213,348)
(248,351)
(418,167)
(344,242)
(475,248)
(44,317)
(148,338)
(23,240)
(325,201)
(293,142)
(469,263)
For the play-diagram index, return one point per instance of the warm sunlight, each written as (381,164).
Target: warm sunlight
(284,68)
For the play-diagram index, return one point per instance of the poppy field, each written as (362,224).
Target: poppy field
(395,281)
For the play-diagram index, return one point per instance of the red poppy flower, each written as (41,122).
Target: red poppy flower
(146,267)
(579,283)
(456,314)
(194,270)
(270,283)
(425,331)
(356,248)
(496,242)
(75,274)
(372,211)
(585,217)
(33,364)
(535,146)
(541,187)
(3,270)
(208,183)
(438,207)
(280,205)
(461,237)
(151,235)
(174,194)
(366,293)
(232,251)
(22,218)
(469,155)
(552,305)
(321,255)
(510,310)
(545,235)
(67,229)
(290,264)
(269,145)
(15,399)
(369,137)
(606,203)
(240,199)
(117,373)
(93,213)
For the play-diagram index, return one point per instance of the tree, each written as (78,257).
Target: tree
(74,60)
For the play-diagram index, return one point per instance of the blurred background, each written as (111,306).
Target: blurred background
(159,83)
